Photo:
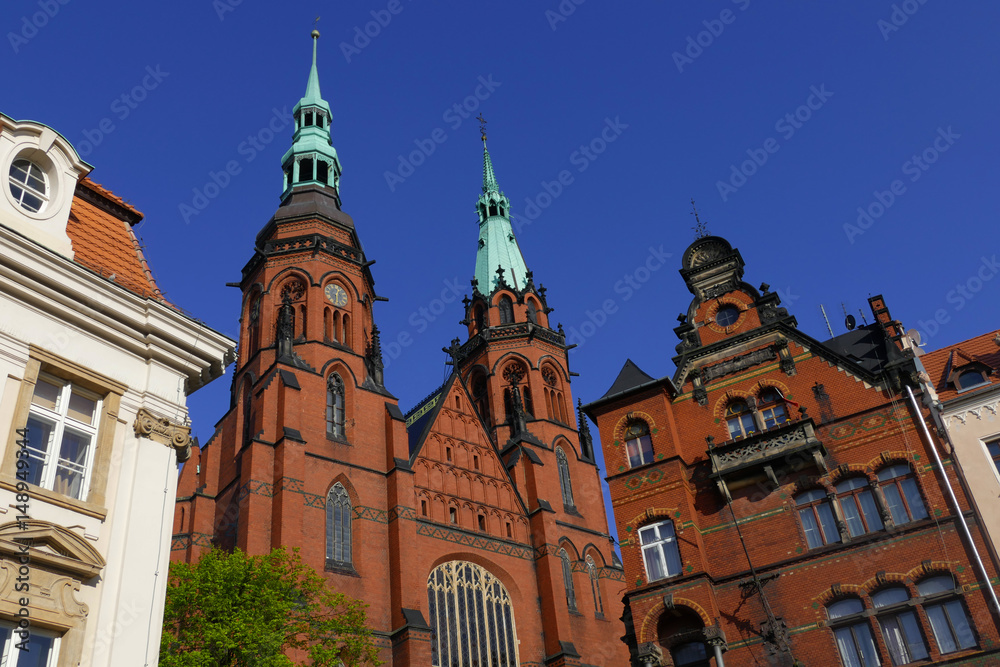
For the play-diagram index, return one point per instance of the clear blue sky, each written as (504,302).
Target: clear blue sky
(887,92)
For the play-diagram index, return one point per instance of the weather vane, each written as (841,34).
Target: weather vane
(700,229)
(482,126)
(315,32)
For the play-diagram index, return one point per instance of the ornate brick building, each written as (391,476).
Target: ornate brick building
(777,499)
(474,525)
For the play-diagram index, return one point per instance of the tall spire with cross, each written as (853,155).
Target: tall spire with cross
(497,245)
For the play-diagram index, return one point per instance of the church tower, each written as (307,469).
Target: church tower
(447,521)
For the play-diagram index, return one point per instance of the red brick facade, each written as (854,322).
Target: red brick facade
(455,480)
(847,419)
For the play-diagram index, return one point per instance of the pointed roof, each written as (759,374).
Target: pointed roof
(630,377)
(313,97)
(498,247)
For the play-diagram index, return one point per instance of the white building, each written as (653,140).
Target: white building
(96,365)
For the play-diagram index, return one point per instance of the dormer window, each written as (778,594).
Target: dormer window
(969,378)
(29,185)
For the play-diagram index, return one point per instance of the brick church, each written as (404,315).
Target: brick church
(473,526)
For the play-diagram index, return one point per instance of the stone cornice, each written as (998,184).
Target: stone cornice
(165,432)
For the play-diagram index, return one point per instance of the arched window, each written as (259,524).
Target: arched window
(564,481)
(772,408)
(471,618)
(853,633)
(740,419)
(247,412)
(532,312)
(29,185)
(506,310)
(638,444)
(595,586)
(947,615)
(899,486)
(817,518)
(253,326)
(858,505)
(481,396)
(335,407)
(338,526)
(899,624)
(659,550)
(480,318)
(567,572)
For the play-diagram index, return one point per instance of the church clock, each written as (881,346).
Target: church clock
(336,295)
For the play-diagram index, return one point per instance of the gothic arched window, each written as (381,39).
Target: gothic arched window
(532,312)
(564,481)
(247,412)
(567,572)
(338,526)
(506,310)
(595,586)
(471,617)
(253,326)
(335,407)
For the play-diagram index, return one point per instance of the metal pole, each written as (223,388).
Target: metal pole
(954,501)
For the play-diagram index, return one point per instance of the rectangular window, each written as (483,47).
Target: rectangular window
(902,637)
(659,551)
(857,646)
(951,626)
(993,447)
(62,435)
(42,650)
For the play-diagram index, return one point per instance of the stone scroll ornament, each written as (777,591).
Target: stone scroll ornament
(164,431)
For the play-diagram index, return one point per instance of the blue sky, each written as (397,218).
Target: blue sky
(643,105)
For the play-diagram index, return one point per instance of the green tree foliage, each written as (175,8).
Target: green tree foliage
(234,610)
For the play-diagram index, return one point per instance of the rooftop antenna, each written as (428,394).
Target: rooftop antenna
(700,229)
(863,318)
(826,319)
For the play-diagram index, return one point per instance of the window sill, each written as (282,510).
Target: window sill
(345,569)
(57,499)
(339,440)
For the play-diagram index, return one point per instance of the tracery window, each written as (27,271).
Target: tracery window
(339,515)
(858,504)
(335,407)
(902,496)
(567,572)
(638,444)
(564,481)
(471,618)
(817,518)
(595,585)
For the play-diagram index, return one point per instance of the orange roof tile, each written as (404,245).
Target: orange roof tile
(100,228)
(982,348)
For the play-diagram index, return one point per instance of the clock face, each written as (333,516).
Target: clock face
(336,295)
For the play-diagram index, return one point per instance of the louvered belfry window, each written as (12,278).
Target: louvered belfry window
(471,617)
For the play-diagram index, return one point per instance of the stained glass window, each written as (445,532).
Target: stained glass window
(564,481)
(471,618)
(338,526)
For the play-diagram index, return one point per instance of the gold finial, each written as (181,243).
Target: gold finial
(482,126)
(315,32)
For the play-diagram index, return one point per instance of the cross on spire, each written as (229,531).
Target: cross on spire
(482,126)
(700,228)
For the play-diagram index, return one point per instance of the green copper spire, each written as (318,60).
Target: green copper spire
(498,248)
(312,159)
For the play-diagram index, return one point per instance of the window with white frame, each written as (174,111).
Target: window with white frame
(42,648)
(29,185)
(902,496)
(659,550)
(62,436)
(947,615)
